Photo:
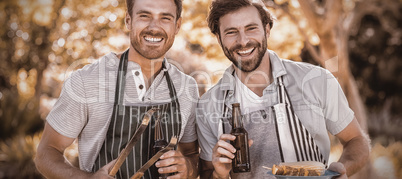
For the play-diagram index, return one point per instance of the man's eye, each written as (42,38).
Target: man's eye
(167,18)
(230,32)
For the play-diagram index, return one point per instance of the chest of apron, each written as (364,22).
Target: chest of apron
(125,120)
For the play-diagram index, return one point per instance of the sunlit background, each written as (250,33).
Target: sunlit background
(43,41)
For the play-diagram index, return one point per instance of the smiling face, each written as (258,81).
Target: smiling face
(153,26)
(243,38)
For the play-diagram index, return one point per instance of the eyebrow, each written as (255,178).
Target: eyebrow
(232,28)
(251,25)
(143,12)
(168,14)
(163,14)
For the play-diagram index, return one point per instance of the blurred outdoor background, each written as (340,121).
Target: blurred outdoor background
(43,41)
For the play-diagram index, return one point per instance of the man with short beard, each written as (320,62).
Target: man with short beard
(103,103)
(287,107)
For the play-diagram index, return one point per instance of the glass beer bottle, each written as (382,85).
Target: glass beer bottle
(241,162)
(159,144)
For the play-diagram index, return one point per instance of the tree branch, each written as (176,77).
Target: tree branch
(313,18)
(310,48)
(332,16)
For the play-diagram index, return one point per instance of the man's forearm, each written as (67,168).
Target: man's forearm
(52,164)
(355,154)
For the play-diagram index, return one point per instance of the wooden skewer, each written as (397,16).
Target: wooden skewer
(267,167)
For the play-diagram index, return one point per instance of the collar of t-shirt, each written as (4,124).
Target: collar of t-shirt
(249,101)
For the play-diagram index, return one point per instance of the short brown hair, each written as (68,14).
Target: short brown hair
(219,8)
(179,7)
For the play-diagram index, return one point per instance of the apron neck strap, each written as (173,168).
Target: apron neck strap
(283,94)
(121,79)
(282,90)
(172,90)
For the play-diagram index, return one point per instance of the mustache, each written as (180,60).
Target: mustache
(248,45)
(153,33)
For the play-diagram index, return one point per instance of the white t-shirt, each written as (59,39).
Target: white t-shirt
(249,101)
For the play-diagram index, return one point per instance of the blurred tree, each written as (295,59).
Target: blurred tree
(40,42)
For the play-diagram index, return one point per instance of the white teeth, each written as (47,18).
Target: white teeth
(243,52)
(153,39)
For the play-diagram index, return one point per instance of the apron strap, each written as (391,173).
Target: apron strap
(172,92)
(225,110)
(121,79)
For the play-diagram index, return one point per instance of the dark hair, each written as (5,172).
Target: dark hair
(179,7)
(219,8)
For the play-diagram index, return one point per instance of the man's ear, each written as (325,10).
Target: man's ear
(128,21)
(178,25)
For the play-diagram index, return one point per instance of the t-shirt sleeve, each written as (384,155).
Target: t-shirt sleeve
(337,113)
(206,137)
(69,114)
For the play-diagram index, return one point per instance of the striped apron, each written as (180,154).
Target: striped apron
(125,120)
(294,141)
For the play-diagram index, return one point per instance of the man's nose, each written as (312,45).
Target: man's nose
(154,23)
(243,39)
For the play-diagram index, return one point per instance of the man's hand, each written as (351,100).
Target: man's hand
(222,155)
(340,168)
(174,161)
(103,173)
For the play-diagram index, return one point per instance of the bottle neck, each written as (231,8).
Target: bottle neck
(158,131)
(236,116)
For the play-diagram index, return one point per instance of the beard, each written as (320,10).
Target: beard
(251,64)
(151,52)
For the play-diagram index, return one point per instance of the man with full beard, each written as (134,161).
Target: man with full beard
(103,104)
(287,107)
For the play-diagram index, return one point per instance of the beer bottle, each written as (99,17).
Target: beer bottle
(159,144)
(241,162)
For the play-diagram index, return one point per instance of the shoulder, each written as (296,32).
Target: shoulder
(176,73)
(100,66)
(213,98)
(88,77)
(180,79)
(214,91)
(185,85)
(305,73)
(300,67)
